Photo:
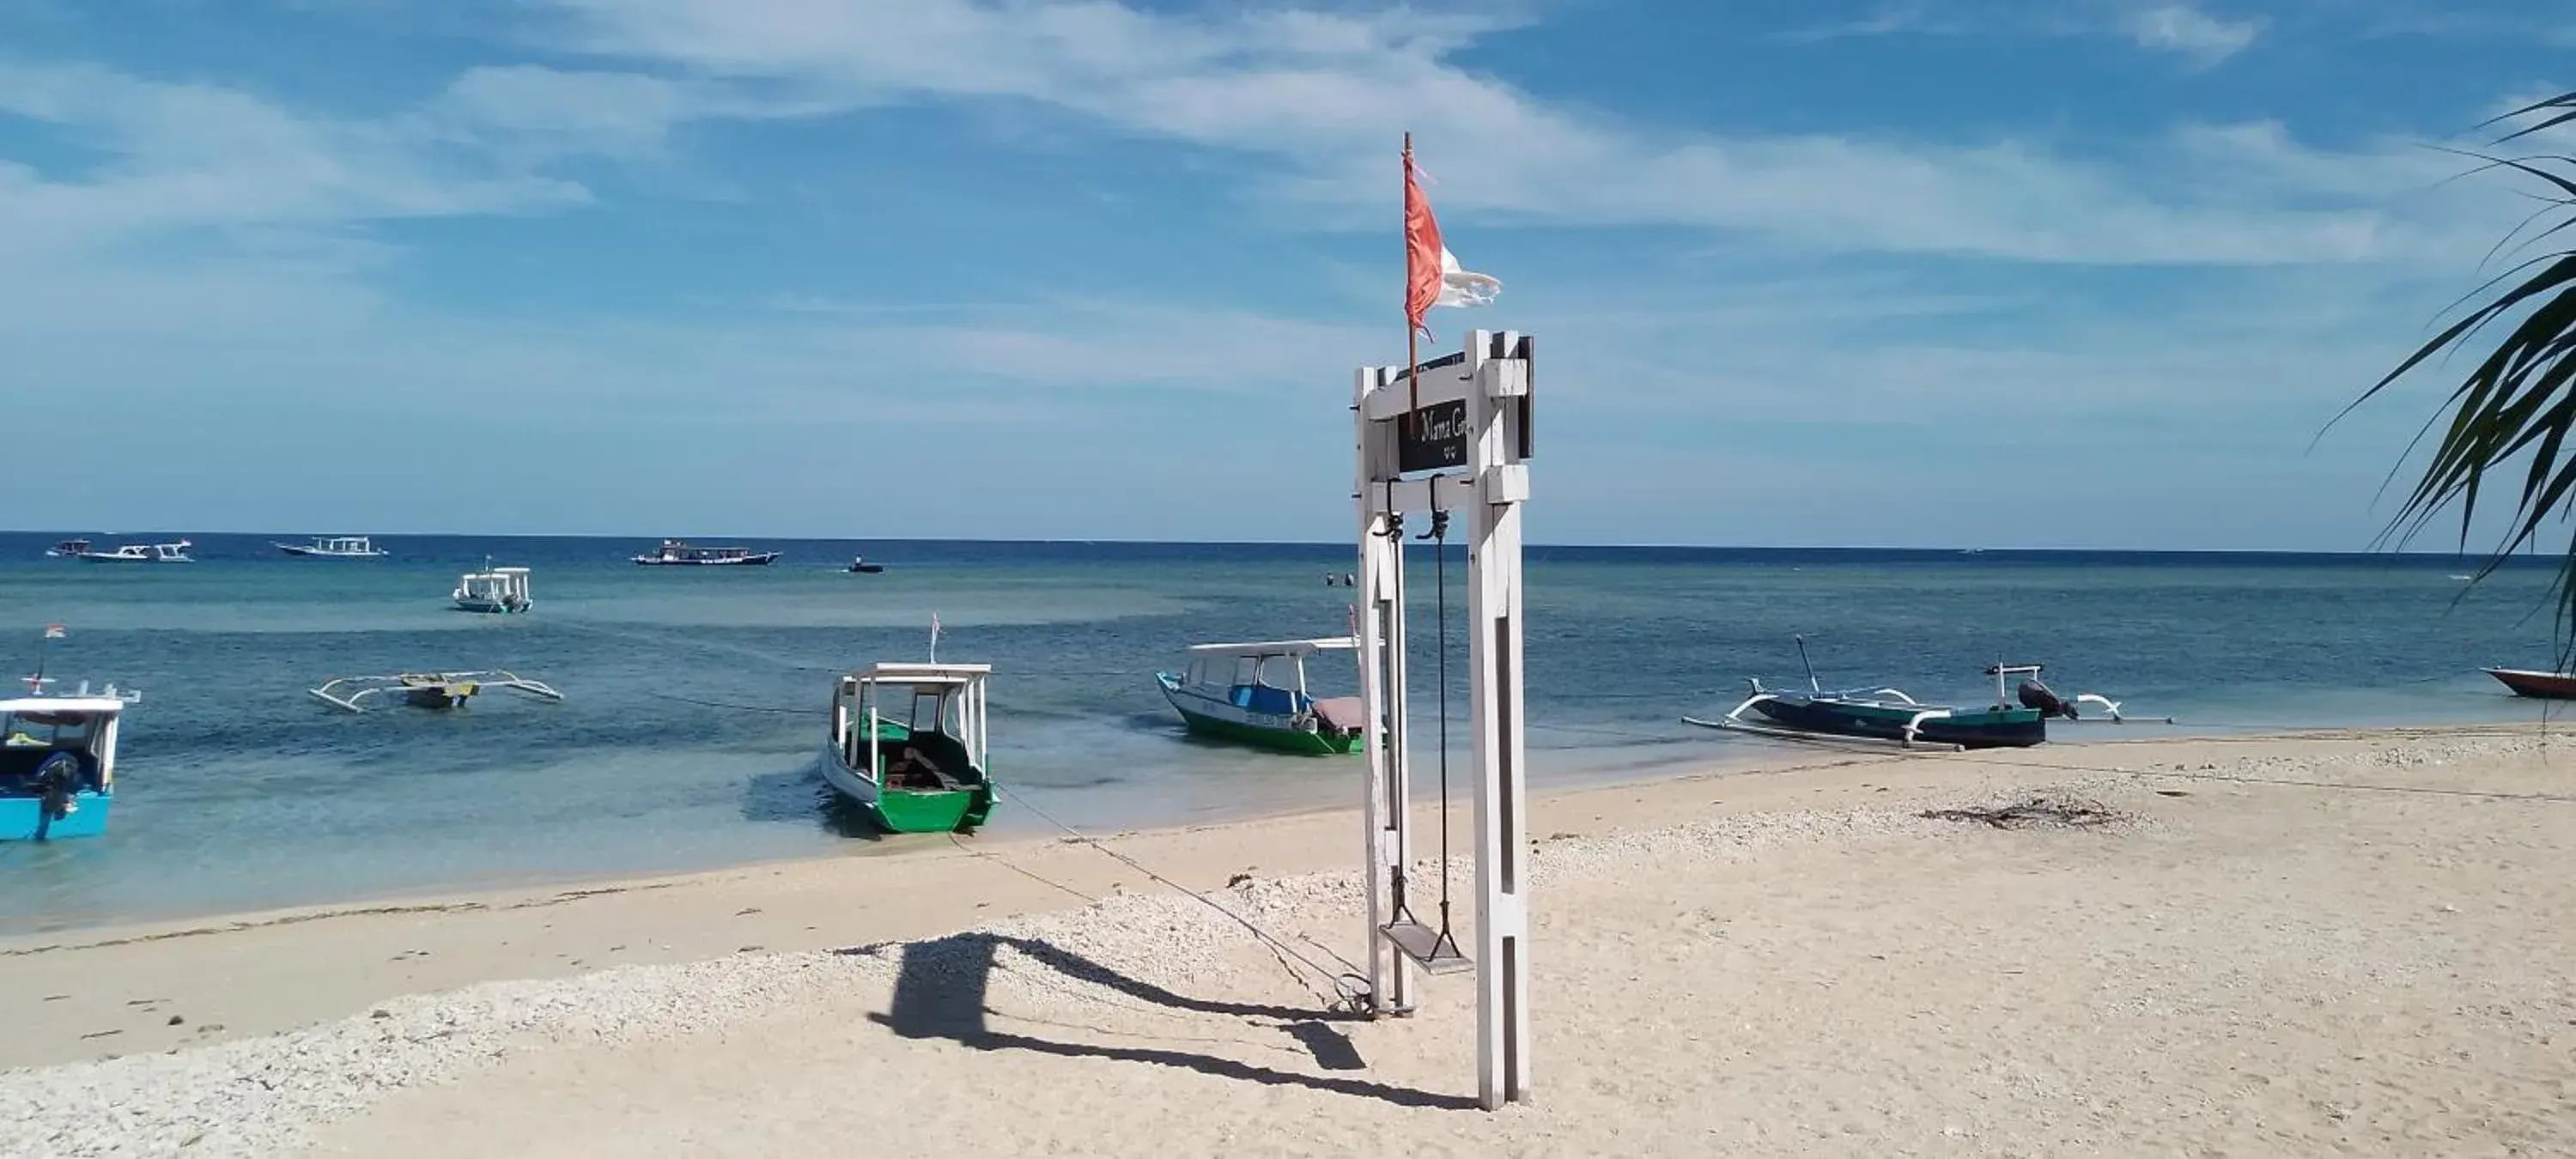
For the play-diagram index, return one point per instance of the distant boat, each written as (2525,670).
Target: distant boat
(860,564)
(2537,685)
(140,553)
(498,590)
(1226,692)
(69,549)
(58,761)
(427,689)
(333,547)
(679,553)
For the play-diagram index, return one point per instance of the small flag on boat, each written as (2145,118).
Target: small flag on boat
(53,631)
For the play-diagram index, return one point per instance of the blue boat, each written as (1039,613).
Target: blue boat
(58,762)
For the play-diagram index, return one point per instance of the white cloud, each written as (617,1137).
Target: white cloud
(1324,95)
(185,157)
(2183,29)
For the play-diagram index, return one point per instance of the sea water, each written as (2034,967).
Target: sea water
(696,697)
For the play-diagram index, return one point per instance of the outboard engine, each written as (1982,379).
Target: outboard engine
(2036,695)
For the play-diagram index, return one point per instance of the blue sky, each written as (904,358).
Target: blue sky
(2074,274)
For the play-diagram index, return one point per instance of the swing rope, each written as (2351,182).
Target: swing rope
(1439,537)
(1395,532)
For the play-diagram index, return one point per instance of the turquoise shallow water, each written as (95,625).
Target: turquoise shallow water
(694,701)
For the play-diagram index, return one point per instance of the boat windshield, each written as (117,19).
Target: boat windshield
(47,730)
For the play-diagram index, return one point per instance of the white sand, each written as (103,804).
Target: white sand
(1796,963)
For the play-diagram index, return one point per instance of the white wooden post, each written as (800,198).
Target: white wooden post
(1494,662)
(1386,813)
(1492,382)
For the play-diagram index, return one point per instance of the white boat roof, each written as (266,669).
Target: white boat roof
(1276,647)
(925,673)
(91,705)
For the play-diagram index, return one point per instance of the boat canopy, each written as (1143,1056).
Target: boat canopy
(64,706)
(895,672)
(1298,648)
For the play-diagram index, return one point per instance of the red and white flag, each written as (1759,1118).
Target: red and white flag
(1432,276)
(53,631)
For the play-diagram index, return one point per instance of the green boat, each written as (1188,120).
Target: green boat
(908,746)
(1226,693)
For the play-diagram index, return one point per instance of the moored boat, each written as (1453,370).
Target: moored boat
(69,549)
(1227,692)
(334,547)
(139,553)
(58,761)
(2537,685)
(427,689)
(680,553)
(2018,718)
(496,590)
(909,746)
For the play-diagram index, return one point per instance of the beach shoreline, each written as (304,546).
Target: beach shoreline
(208,998)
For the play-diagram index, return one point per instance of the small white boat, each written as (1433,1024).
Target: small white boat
(500,589)
(334,547)
(139,553)
(427,689)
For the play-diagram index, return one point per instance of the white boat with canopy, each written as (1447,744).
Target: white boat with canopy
(496,590)
(334,547)
(1256,693)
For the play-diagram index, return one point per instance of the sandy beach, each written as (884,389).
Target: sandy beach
(2322,944)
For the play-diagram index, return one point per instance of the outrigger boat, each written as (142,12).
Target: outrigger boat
(1888,715)
(427,689)
(678,553)
(909,746)
(1225,692)
(334,547)
(58,761)
(133,552)
(497,590)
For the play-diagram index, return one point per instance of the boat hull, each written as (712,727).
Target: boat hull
(2537,685)
(490,607)
(23,818)
(1219,720)
(310,553)
(909,810)
(1972,728)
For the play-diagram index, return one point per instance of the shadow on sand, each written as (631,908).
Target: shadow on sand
(941,986)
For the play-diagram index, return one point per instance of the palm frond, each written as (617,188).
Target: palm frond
(2518,402)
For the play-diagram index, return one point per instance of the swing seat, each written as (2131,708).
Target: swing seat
(1426,947)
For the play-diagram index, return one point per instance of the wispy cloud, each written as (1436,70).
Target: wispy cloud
(2190,32)
(1322,93)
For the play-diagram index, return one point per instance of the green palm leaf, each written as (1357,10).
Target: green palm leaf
(2519,399)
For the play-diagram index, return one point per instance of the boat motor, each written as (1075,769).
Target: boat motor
(2037,695)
